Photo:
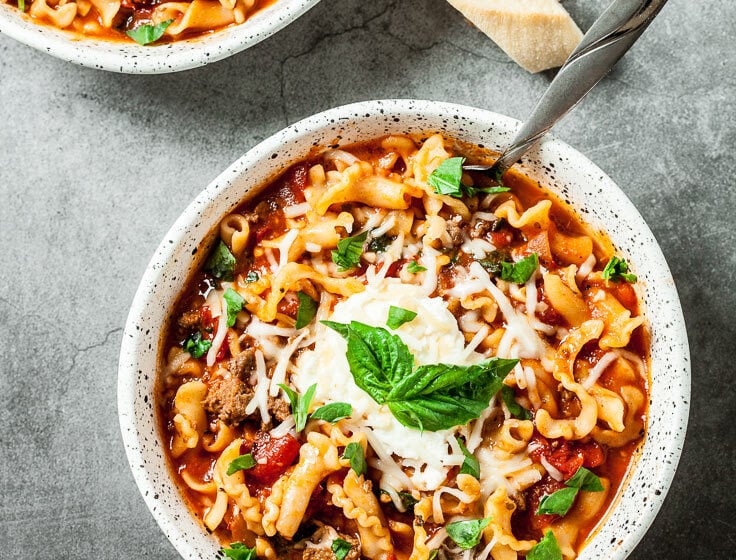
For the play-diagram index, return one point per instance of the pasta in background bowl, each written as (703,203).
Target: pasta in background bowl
(194,33)
(565,172)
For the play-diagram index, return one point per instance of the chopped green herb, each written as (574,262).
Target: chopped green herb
(22,5)
(196,346)
(397,316)
(557,503)
(519,272)
(429,397)
(617,270)
(446,179)
(467,534)
(238,551)
(415,267)
(341,548)
(585,480)
(354,453)
(471,465)
(560,502)
(145,34)
(348,251)
(234,302)
(516,410)
(408,500)
(545,549)
(299,404)
(251,277)
(379,244)
(306,311)
(492,263)
(242,463)
(221,263)
(433,554)
(332,412)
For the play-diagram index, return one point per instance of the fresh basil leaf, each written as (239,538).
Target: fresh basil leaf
(376,357)
(397,316)
(196,346)
(145,34)
(516,410)
(242,463)
(415,267)
(545,549)
(617,270)
(446,178)
(348,251)
(471,465)
(585,480)
(299,404)
(467,534)
(441,396)
(234,303)
(557,503)
(341,548)
(332,412)
(354,453)
(221,263)
(238,551)
(251,277)
(379,244)
(306,311)
(430,397)
(519,272)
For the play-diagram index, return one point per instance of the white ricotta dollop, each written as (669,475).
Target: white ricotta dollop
(432,337)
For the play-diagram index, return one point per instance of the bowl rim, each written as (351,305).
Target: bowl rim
(365,111)
(131,58)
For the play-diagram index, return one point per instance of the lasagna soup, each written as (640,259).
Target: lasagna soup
(143,21)
(386,357)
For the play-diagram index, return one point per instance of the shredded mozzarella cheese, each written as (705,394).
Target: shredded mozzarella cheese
(285,245)
(297,210)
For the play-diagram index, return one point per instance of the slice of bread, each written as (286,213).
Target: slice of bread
(536,34)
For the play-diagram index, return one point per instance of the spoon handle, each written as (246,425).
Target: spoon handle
(612,34)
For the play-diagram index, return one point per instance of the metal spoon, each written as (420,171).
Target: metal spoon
(612,34)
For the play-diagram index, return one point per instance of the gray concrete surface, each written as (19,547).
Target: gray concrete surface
(95,167)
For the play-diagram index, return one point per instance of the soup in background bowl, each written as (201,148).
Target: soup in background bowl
(199,377)
(179,35)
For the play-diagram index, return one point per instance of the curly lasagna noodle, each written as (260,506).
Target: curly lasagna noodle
(386,357)
(144,21)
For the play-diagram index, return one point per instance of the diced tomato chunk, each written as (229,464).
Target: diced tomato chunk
(289,305)
(567,456)
(393,268)
(272,455)
(502,238)
(208,323)
(209,328)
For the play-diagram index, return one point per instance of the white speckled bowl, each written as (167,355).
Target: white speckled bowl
(131,58)
(554,163)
